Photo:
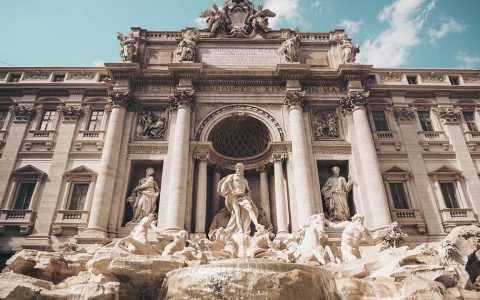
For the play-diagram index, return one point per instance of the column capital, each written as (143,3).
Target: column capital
(278,157)
(22,113)
(296,99)
(355,99)
(404,113)
(201,156)
(450,114)
(121,98)
(262,168)
(182,98)
(70,113)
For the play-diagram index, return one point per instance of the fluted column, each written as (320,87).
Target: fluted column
(182,101)
(304,196)
(264,191)
(215,196)
(102,198)
(280,199)
(355,103)
(201,203)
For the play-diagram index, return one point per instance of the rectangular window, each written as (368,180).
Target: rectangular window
(449,194)
(380,120)
(454,80)
(469,117)
(24,195)
(78,196)
(399,196)
(95,121)
(425,120)
(3,117)
(412,79)
(48,119)
(15,77)
(59,78)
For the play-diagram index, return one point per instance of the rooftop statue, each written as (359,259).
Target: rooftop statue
(186,48)
(239,18)
(128,47)
(290,49)
(349,51)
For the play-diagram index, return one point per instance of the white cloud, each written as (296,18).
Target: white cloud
(200,22)
(317,5)
(286,10)
(98,63)
(467,61)
(392,47)
(350,26)
(449,25)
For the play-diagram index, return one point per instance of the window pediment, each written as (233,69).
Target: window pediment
(29,172)
(396,173)
(80,172)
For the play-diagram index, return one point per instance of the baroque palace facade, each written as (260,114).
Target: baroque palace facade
(75,142)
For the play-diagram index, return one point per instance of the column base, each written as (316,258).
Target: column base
(93,236)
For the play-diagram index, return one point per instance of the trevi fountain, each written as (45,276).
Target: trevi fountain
(330,255)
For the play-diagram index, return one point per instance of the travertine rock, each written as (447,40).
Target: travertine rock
(417,287)
(21,287)
(51,266)
(353,289)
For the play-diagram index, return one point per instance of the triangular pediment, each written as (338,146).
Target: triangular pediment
(395,170)
(28,169)
(445,170)
(81,170)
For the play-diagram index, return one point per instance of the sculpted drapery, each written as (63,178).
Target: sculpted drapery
(144,196)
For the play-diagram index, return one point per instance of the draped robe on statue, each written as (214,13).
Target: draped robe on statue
(235,188)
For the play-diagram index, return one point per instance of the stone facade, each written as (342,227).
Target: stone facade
(74,142)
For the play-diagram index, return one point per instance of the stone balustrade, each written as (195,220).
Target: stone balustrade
(453,217)
(73,219)
(386,138)
(428,138)
(23,219)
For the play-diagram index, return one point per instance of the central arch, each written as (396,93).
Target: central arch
(208,124)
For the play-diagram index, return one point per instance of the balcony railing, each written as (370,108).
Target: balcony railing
(386,138)
(40,137)
(76,219)
(427,138)
(452,217)
(89,137)
(406,216)
(472,136)
(20,218)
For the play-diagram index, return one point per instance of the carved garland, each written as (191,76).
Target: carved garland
(450,114)
(239,107)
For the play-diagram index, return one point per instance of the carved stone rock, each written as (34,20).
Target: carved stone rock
(325,125)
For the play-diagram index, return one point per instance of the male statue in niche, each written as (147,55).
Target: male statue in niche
(243,211)
(335,192)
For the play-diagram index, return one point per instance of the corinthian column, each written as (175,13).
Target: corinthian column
(304,196)
(355,103)
(264,192)
(182,102)
(280,199)
(102,198)
(201,203)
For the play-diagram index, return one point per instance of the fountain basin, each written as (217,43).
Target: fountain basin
(250,279)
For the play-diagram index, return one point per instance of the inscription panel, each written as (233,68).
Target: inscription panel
(241,57)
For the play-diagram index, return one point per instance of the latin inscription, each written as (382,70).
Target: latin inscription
(239,56)
(244,89)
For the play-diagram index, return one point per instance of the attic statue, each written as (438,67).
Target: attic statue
(128,47)
(290,49)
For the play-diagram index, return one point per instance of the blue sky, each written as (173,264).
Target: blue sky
(391,33)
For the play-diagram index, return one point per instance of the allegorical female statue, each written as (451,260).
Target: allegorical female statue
(243,211)
(335,192)
(290,49)
(144,196)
